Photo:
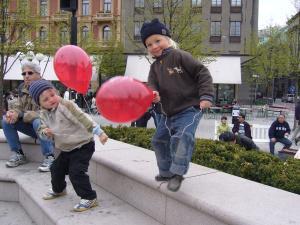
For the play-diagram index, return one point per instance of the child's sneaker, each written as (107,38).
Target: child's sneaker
(51,194)
(45,166)
(15,160)
(85,204)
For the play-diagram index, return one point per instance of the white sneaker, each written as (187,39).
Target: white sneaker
(85,204)
(15,160)
(46,164)
(51,194)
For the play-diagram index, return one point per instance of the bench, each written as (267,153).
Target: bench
(260,133)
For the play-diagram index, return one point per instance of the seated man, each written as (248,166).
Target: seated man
(279,132)
(24,117)
(241,140)
(241,127)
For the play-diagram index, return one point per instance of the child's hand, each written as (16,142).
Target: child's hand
(156,97)
(48,132)
(11,117)
(204,104)
(103,138)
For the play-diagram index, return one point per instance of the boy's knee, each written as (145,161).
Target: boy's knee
(36,123)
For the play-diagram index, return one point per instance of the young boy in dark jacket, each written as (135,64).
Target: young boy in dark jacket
(279,132)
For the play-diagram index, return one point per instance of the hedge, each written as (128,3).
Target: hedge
(230,158)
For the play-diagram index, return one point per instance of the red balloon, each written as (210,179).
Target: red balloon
(73,68)
(123,99)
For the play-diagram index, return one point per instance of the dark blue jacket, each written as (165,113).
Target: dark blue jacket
(277,130)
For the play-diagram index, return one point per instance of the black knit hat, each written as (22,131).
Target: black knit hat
(153,27)
(37,87)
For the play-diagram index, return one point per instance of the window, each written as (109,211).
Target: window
(196,3)
(215,28)
(107,6)
(137,29)
(216,3)
(64,35)
(43,34)
(85,32)
(43,8)
(236,2)
(106,33)
(176,3)
(235,28)
(139,4)
(157,4)
(85,7)
(22,34)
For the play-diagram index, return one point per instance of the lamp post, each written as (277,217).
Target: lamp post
(255,76)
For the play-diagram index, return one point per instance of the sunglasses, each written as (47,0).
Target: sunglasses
(29,73)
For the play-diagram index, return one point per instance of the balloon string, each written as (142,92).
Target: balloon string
(87,105)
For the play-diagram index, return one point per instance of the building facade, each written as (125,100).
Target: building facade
(96,19)
(229,28)
(97,22)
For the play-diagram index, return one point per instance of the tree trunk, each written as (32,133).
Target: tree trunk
(1,85)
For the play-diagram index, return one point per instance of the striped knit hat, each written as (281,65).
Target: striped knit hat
(37,87)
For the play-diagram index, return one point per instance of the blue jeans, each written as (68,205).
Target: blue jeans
(30,129)
(174,141)
(286,142)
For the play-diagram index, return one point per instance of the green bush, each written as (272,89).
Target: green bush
(253,165)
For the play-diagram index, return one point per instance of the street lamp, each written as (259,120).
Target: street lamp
(255,76)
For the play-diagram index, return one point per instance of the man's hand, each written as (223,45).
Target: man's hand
(204,104)
(11,116)
(156,97)
(48,132)
(103,138)
(273,139)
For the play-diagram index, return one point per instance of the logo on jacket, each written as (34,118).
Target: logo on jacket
(176,69)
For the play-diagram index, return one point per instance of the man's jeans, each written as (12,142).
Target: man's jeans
(11,134)
(174,141)
(286,142)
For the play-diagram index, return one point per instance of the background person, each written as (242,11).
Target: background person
(241,127)
(241,140)
(279,132)
(223,126)
(297,126)
(24,117)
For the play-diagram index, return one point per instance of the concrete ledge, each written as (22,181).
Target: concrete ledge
(214,197)
(30,146)
(207,196)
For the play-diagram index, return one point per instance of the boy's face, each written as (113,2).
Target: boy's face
(156,43)
(241,119)
(224,121)
(49,99)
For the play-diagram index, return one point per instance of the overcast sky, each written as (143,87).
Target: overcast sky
(274,12)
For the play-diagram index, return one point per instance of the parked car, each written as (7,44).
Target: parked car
(288,98)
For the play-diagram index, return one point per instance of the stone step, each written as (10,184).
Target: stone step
(7,209)
(31,185)
(207,196)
